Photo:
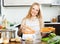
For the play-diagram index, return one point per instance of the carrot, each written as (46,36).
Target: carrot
(28,30)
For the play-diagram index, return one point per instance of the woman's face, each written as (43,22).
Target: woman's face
(34,10)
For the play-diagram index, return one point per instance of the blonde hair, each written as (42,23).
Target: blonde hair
(29,13)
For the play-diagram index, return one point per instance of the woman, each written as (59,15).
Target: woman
(32,23)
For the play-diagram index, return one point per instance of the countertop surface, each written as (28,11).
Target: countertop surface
(53,23)
(23,42)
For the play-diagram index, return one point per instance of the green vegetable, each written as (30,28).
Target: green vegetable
(54,40)
(45,39)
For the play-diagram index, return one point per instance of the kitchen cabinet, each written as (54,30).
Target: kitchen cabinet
(50,2)
(45,1)
(55,2)
(18,3)
(55,25)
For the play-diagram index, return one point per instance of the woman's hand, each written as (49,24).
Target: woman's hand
(27,30)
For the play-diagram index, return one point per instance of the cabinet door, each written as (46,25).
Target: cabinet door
(57,31)
(18,3)
(45,1)
(55,2)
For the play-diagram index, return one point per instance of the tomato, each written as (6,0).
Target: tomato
(1,27)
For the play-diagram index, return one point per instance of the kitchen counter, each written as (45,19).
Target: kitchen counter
(53,23)
(26,43)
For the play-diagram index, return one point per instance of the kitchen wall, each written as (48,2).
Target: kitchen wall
(15,14)
(50,11)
